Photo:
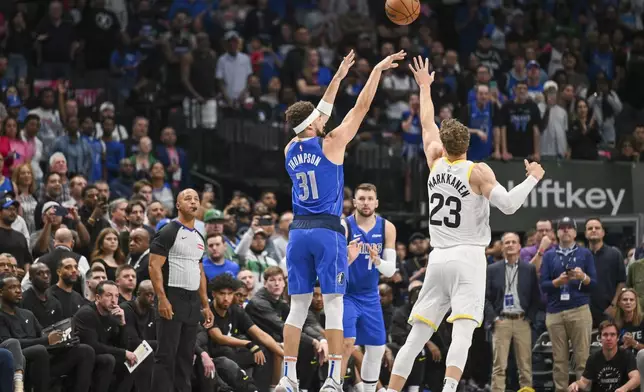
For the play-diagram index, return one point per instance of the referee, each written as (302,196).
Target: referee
(179,283)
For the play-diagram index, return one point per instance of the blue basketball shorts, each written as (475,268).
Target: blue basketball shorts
(316,254)
(362,319)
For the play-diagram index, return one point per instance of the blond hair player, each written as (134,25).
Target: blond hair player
(460,193)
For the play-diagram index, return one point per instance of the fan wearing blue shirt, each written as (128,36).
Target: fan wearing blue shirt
(568,276)
(215,264)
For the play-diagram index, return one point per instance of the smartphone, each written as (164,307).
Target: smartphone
(60,211)
(265,221)
(493,85)
(208,188)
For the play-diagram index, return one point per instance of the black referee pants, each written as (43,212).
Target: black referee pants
(176,343)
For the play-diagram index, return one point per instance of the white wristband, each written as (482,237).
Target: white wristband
(325,108)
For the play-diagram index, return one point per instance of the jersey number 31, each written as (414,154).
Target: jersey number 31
(453,219)
(305,181)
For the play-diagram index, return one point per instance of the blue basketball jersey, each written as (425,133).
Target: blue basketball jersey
(363,280)
(318,184)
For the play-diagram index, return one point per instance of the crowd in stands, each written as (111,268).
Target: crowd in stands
(88,175)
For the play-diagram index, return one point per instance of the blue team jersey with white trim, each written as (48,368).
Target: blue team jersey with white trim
(318,184)
(363,280)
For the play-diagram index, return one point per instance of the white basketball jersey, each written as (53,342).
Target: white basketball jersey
(457,215)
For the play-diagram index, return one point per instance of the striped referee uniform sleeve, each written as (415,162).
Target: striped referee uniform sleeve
(164,239)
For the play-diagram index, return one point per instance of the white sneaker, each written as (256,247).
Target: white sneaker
(331,386)
(286,385)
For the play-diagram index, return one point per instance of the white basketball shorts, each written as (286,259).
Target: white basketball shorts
(455,278)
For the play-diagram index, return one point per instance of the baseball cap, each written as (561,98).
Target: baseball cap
(261,232)
(60,210)
(13,101)
(106,106)
(230,35)
(213,215)
(7,200)
(162,223)
(417,236)
(567,221)
(550,84)
(532,64)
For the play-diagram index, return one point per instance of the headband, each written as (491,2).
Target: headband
(322,108)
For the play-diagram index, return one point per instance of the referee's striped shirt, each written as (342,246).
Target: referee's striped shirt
(183,249)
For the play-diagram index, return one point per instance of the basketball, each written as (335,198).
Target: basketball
(402,12)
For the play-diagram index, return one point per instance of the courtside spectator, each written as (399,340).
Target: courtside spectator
(567,278)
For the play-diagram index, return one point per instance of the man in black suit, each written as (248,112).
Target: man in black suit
(511,303)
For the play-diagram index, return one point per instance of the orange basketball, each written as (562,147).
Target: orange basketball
(402,12)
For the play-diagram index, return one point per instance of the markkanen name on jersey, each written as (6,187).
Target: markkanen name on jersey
(446,178)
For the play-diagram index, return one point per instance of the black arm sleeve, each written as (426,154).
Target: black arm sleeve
(201,344)
(25,256)
(266,318)
(130,329)
(164,239)
(312,327)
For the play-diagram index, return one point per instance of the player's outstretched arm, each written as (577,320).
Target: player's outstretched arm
(484,180)
(328,99)
(346,131)
(431,140)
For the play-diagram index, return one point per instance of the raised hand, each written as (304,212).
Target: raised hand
(346,64)
(389,62)
(353,250)
(534,169)
(420,69)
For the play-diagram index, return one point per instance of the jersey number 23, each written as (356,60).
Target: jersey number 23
(439,202)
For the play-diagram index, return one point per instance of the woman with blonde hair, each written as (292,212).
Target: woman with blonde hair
(630,320)
(24,186)
(107,251)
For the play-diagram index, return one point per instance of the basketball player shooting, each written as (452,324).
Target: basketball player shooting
(317,247)
(460,193)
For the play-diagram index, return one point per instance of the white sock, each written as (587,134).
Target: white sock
(290,368)
(335,365)
(450,385)
(17,376)
(370,387)
(359,387)
(415,388)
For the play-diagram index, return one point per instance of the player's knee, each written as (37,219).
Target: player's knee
(334,311)
(299,309)
(371,363)
(461,341)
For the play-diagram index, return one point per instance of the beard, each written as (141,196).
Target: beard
(365,215)
(8,220)
(69,281)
